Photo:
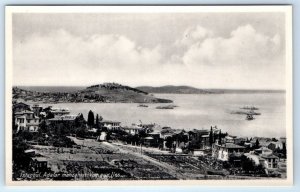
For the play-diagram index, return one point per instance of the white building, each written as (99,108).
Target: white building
(59,111)
(111,125)
(223,152)
(26,121)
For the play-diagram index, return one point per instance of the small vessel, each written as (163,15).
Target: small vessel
(250,108)
(166,107)
(251,112)
(142,105)
(249,117)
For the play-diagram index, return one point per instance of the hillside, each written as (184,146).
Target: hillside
(192,90)
(102,93)
(176,89)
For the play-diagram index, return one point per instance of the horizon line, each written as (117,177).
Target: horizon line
(248,89)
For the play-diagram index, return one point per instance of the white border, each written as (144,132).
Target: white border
(9,10)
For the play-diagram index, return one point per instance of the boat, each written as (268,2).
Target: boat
(142,105)
(250,108)
(251,112)
(166,107)
(249,117)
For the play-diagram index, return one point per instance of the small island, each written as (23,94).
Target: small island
(101,93)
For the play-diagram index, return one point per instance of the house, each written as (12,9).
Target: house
(241,141)
(39,164)
(18,107)
(102,137)
(224,151)
(111,125)
(30,152)
(57,112)
(275,145)
(198,152)
(149,141)
(36,109)
(26,121)
(269,162)
(263,151)
(230,139)
(133,130)
(68,119)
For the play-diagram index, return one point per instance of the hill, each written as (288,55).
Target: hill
(192,90)
(105,93)
(176,89)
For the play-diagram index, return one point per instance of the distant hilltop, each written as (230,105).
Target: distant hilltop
(192,90)
(101,93)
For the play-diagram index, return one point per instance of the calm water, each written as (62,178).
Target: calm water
(199,111)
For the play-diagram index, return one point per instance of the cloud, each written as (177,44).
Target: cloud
(192,35)
(75,58)
(247,58)
(198,58)
(245,46)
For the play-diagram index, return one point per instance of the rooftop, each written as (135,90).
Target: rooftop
(110,121)
(231,146)
(269,156)
(64,118)
(40,159)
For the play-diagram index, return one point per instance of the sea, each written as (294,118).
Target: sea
(199,111)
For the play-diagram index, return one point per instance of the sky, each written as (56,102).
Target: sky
(203,50)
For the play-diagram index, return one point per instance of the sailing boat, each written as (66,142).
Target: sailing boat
(249,117)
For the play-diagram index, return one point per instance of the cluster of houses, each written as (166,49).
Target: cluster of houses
(203,141)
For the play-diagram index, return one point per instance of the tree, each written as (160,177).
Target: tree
(284,149)
(256,143)
(211,139)
(91,118)
(169,142)
(97,121)
(220,137)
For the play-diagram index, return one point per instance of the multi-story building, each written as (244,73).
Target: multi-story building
(26,121)
(111,125)
(224,151)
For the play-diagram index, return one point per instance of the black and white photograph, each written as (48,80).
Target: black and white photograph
(149,94)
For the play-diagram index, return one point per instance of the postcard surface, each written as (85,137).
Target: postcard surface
(135,95)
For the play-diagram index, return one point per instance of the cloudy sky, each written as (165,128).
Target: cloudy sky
(204,50)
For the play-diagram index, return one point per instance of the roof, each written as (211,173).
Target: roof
(23,112)
(21,103)
(109,121)
(155,132)
(29,151)
(148,138)
(263,149)
(269,156)
(137,128)
(232,146)
(64,118)
(40,159)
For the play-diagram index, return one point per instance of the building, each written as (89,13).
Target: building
(133,130)
(57,112)
(263,151)
(275,145)
(18,107)
(69,119)
(26,121)
(102,136)
(230,139)
(111,125)
(36,109)
(39,164)
(269,162)
(224,151)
